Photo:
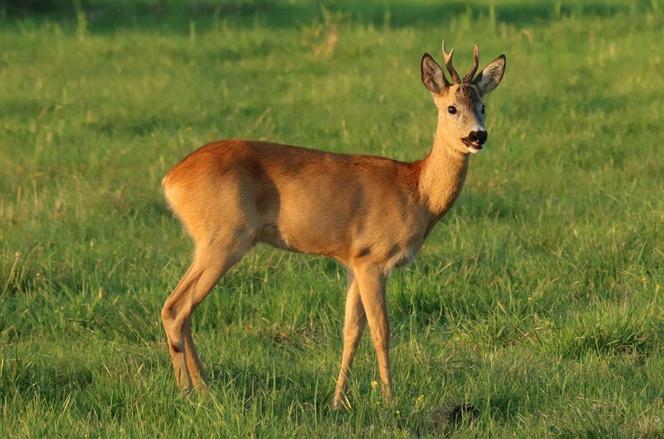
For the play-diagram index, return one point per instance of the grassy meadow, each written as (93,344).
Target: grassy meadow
(537,300)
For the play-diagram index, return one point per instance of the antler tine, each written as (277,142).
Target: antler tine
(476,61)
(447,56)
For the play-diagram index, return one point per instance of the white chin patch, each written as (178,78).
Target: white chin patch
(474,150)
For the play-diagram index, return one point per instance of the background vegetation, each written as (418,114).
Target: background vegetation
(537,301)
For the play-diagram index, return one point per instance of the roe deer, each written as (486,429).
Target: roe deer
(369,213)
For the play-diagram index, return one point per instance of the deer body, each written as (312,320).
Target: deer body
(342,206)
(369,213)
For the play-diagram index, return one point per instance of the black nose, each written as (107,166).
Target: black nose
(478,136)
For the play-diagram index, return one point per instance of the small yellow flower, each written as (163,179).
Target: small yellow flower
(374,384)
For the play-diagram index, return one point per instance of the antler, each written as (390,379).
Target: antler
(448,63)
(473,70)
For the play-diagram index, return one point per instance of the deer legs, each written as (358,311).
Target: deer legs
(354,322)
(365,302)
(372,282)
(210,263)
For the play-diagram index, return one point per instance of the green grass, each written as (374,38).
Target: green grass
(538,299)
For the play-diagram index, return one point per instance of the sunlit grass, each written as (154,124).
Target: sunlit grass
(538,299)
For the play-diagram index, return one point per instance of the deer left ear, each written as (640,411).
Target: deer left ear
(491,76)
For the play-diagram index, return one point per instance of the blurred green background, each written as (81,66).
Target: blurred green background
(537,300)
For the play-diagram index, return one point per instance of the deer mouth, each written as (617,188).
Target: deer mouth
(473,145)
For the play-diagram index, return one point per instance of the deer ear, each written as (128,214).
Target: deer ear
(491,76)
(432,75)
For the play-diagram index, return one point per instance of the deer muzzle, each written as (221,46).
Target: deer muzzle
(476,139)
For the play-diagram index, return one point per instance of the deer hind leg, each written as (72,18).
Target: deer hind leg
(193,362)
(168,313)
(371,282)
(211,261)
(354,323)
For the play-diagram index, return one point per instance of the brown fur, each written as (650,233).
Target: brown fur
(290,194)
(369,213)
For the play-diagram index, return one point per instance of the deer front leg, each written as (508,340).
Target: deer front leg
(371,282)
(354,322)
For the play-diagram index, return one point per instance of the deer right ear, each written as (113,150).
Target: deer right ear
(491,76)
(432,75)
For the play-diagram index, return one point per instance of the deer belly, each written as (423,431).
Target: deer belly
(302,241)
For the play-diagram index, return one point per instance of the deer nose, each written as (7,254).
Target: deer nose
(478,136)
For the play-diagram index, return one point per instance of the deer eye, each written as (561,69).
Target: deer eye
(451,109)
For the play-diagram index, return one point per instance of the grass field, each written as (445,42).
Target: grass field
(537,300)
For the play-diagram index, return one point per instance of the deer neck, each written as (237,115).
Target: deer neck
(442,175)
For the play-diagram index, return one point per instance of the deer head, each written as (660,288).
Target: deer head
(459,101)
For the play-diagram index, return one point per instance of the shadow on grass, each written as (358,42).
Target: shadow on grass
(48,382)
